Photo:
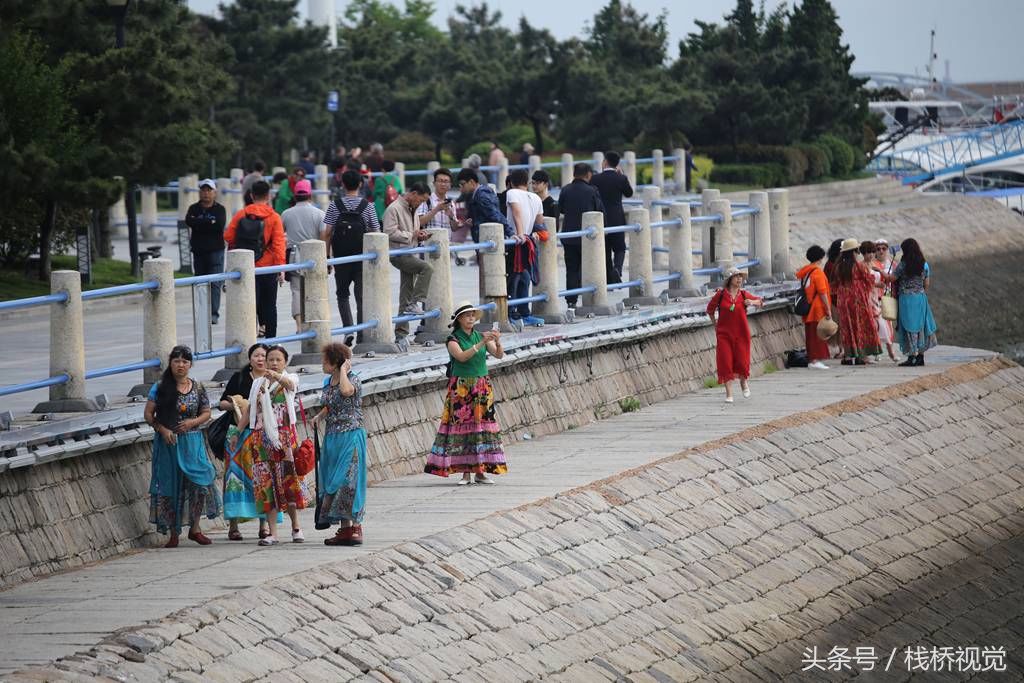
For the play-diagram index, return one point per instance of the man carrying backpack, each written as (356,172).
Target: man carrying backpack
(347,218)
(257,227)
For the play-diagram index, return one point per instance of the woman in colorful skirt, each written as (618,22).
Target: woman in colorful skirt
(239,500)
(854,289)
(342,469)
(916,325)
(182,482)
(880,264)
(728,312)
(276,485)
(468,440)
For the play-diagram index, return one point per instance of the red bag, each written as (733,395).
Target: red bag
(390,195)
(305,456)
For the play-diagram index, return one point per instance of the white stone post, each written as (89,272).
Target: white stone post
(641,261)
(322,199)
(236,199)
(547,258)
(431,167)
(400,172)
(596,162)
(679,169)
(377,297)
(535,162)
(567,165)
(149,211)
(277,169)
(502,173)
(707,232)
(629,160)
(778,201)
(239,310)
(224,197)
(316,300)
(649,195)
(494,283)
(159,323)
(723,235)
(182,197)
(658,168)
(593,271)
(760,238)
(439,294)
(680,241)
(117,216)
(67,347)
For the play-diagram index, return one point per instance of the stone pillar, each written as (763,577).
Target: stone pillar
(322,200)
(723,235)
(596,163)
(431,167)
(67,347)
(679,169)
(778,211)
(567,165)
(658,169)
(316,301)
(182,197)
(239,311)
(237,200)
(547,257)
(400,172)
(535,162)
(593,270)
(649,195)
(493,283)
(439,294)
(277,169)
(502,173)
(377,297)
(680,240)
(117,216)
(149,212)
(629,160)
(159,323)
(707,232)
(225,197)
(641,262)
(760,238)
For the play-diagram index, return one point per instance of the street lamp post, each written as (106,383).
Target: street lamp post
(120,11)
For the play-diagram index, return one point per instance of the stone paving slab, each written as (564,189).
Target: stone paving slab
(148,585)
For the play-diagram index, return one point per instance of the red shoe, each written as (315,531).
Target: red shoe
(349,535)
(199,538)
(172,542)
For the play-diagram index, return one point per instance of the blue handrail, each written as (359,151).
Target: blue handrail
(219,353)
(38,384)
(355,258)
(578,290)
(457,248)
(528,299)
(58,298)
(308,334)
(203,279)
(286,268)
(429,249)
(349,329)
(625,285)
(670,223)
(707,271)
(408,317)
(713,218)
(120,289)
(631,227)
(745,212)
(118,369)
(585,232)
(667,278)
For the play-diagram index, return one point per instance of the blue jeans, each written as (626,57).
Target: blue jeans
(210,263)
(518,288)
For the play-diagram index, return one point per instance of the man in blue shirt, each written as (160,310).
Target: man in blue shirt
(482,204)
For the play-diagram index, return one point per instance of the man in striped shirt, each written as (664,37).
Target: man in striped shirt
(353,207)
(439,212)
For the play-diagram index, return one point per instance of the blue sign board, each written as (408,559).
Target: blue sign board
(332,100)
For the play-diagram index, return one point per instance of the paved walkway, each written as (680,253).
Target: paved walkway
(61,614)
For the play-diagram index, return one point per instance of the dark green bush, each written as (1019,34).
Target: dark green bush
(818,164)
(842,154)
(796,165)
(757,175)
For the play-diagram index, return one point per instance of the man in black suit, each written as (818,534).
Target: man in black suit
(613,186)
(576,198)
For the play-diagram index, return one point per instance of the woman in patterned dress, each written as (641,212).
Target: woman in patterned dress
(342,470)
(182,481)
(276,485)
(874,260)
(916,323)
(728,312)
(854,285)
(468,439)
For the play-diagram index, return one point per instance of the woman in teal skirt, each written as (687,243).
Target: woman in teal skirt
(342,469)
(182,482)
(916,325)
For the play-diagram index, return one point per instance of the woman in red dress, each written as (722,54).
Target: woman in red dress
(854,289)
(728,312)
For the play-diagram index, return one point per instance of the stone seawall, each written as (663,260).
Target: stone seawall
(888,521)
(65,513)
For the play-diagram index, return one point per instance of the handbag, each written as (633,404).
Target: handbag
(217,433)
(802,305)
(890,307)
(305,456)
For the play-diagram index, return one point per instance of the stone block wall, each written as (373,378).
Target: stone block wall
(65,513)
(890,521)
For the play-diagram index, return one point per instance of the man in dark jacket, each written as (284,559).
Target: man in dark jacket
(613,186)
(481,202)
(576,198)
(206,220)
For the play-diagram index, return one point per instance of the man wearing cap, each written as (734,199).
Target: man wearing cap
(206,220)
(301,222)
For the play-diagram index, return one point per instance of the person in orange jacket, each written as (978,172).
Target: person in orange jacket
(258,228)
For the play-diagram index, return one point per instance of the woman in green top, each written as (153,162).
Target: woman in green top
(469,437)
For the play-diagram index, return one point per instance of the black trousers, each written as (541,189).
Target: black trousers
(573,261)
(615,256)
(266,302)
(346,275)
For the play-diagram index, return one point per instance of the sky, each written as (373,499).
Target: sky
(979,38)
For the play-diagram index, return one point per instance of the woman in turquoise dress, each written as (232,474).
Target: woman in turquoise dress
(182,482)
(342,470)
(915,322)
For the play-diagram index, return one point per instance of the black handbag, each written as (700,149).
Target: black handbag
(217,433)
(802,305)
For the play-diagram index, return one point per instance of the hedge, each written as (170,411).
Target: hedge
(758,175)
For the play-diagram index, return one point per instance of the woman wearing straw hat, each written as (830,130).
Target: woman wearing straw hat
(468,439)
(732,331)
(853,288)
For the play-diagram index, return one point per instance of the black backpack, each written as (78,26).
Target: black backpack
(249,235)
(347,237)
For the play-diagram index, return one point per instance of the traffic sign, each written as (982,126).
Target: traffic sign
(332,100)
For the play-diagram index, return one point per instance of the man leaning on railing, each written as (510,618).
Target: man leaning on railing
(402,227)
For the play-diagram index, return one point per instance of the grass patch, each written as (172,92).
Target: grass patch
(106,272)
(711,383)
(629,404)
(769,368)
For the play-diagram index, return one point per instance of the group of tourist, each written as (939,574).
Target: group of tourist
(261,476)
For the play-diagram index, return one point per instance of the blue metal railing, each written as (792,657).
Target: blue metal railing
(528,299)
(218,353)
(409,317)
(356,258)
(45,299)
(625,285)
(205,279)
(352,329)
(118,369)
(284,339)
(666,278)
(38,384)
(120,289)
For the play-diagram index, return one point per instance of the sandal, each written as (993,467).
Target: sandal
(264,532)
(235,535)
(200,538)
(172,542)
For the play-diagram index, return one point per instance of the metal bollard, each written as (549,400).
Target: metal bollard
(593,271)
(439,294)
(760,238)
(641,261)
(67,347)
(547,259)
(377,297)
(680,257)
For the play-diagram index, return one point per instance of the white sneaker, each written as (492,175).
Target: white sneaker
(728,399)
(297,536)
(817,365)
